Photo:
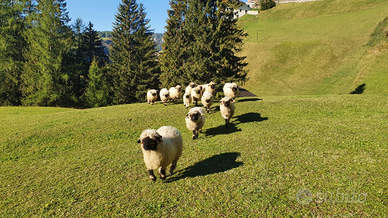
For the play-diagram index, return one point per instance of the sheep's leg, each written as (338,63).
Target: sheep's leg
(195,134)
(173,166)
(162,173)
(151,175)
(226,123)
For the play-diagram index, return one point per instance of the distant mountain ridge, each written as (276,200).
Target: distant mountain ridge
(106,37)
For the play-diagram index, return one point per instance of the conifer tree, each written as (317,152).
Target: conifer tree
(96,94)
(207,41)
(46,79)
(173,58)
(12,46)
(134,63)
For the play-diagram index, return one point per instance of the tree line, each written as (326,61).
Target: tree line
(47,61)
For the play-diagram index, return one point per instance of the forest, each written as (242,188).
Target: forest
(46,59)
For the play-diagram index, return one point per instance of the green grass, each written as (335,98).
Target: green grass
(314,48)
(74,163)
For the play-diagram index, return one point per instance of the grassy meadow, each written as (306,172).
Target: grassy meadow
(69,162)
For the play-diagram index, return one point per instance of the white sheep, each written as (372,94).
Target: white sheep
(195,120)
(152,96)
(207,100)
(227,109)
(164,96)
(175,93)
(196,95)
(161,148)
(231,90)
(210,87)
(190,87)
(187,99)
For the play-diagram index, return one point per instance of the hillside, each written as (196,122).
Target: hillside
(322,47)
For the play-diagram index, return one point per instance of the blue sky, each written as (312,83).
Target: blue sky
(102,12)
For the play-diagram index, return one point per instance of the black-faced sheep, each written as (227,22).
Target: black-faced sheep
(164,96)
(175,93)
(195,120)
(231,90)
(207,100)
(187,99)
(152,96)
(161,148)
(196,95)
(227,109)
(210,87)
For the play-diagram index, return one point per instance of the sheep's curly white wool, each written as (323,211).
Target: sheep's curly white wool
(196,95)
(210,87)
(195,120)
(207,100)
(161,148)
(187,99)
(227,109)
(152,96)
(231,90)
(164,96)
(175,93)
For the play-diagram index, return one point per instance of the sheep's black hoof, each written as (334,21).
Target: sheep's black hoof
(151,174)
(153,178)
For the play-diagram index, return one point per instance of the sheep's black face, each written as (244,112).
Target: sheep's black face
(179,89)
(234,89)
(213,86)
(198,91)
(207,100)
(226,103)
(154,94)
(187,96)
(149,144)
(192,85)
(166,95)
(194,116)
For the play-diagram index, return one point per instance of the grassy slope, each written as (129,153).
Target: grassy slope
(316,48)
(68,162)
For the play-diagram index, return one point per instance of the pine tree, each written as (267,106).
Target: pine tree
(204,38)
(12,46)
(46,77)
(173,58)
(226,42)
(134,63)
(96,94)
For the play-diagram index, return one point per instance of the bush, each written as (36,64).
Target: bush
(267,4)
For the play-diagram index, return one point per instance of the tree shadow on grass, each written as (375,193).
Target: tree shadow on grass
(359,90)
(215,164)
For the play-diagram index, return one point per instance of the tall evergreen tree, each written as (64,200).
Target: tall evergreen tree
(174,55)
(209,46)
(46,77)
(96,94)
(12,46)
(134,63)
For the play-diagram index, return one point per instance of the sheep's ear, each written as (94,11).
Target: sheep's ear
(138,141)
(158,137)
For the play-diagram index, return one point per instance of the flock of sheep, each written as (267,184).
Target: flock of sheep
(163,147)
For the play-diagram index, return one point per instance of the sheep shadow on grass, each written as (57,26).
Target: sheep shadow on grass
(248,99)
(215,164)
(222,130)
(250,117)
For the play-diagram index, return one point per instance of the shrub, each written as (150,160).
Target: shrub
(267,4)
